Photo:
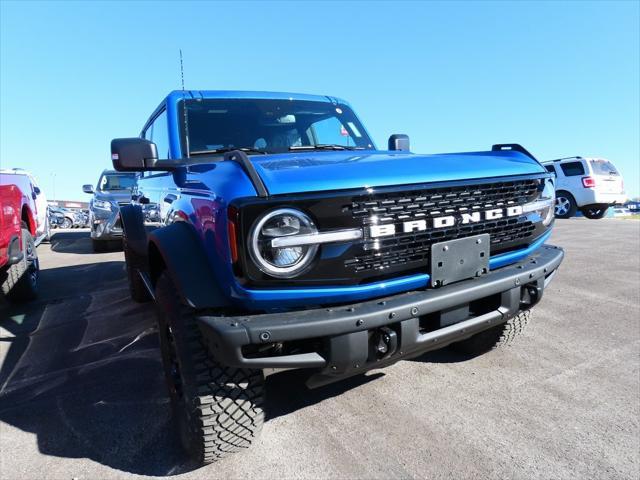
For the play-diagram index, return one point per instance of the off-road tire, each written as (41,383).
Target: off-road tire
(21,282)
(569,206)
(67,223)
(596,212)
(219,409)
(495,337)
(137,288)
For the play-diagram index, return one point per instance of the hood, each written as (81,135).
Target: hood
(322,171)
(118,196)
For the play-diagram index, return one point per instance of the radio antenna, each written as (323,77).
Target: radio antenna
(184,107)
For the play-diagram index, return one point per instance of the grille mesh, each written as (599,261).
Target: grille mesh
(396,207)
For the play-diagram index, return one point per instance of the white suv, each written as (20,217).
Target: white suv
(590,185)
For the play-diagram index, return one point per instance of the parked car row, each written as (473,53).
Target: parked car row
(67,218)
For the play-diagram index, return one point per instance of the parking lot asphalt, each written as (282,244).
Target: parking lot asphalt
(82,393)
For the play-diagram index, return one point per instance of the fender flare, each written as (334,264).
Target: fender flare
(132,220)
(181,251)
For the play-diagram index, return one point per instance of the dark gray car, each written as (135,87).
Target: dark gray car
(113,189)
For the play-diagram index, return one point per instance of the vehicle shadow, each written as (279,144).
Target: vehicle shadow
(82,372)
(444,355)
(75,241)
(287,391)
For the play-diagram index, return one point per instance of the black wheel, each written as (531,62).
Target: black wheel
(99,246)
(496,337)
(595,212)
(218,408)
(21,284)
(66,223)
(137,289)
(565,205)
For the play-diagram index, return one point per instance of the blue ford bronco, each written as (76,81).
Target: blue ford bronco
(285,239)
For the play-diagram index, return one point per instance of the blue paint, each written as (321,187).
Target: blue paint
(508,258)
(292,297)
(206,190)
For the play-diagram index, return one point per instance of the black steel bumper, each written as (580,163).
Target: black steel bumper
(346,331)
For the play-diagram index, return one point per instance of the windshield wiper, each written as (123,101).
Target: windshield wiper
(228,149)
(324,146)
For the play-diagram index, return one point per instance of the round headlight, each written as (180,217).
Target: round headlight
(282,262)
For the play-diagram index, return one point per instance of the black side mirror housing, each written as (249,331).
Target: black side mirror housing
(133,154)
(87,188)
(37,190)
(399,142)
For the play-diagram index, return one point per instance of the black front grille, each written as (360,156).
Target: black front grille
(368,260)
(411,248)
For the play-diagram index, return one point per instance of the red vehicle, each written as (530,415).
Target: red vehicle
(18,229)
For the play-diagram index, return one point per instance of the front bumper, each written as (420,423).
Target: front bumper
(105,225)
(343,334)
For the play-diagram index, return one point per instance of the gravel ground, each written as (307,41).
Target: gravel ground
(82,394)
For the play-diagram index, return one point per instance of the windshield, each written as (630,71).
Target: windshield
(113,181)
(271,126)
(603,167)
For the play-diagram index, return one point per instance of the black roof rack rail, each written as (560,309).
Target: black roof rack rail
(516,147)
(240,157)
(563,158)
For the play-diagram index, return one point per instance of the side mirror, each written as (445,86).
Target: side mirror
(399,142)
(37,190)
(87,189)
(133,154)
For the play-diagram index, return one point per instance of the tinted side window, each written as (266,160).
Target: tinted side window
(571,169)
(160,135)
(550,169)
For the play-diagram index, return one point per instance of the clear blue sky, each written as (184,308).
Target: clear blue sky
(560,78)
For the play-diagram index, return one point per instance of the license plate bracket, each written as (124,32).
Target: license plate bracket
(459,259)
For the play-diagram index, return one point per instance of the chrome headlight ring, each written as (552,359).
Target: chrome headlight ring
(282,261)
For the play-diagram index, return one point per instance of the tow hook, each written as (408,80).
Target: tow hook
(384,343)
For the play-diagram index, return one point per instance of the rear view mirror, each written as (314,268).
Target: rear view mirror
(87,189)
(133,154)
(37,190)
(399,142)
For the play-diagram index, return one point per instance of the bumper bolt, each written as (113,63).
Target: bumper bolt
(392,315)
(264,336)
(414,311)
(517,282)
(359,323)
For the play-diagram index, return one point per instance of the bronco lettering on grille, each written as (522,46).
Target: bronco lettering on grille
(376,231)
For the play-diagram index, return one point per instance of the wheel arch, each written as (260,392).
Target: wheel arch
(177,249)
(27,217)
